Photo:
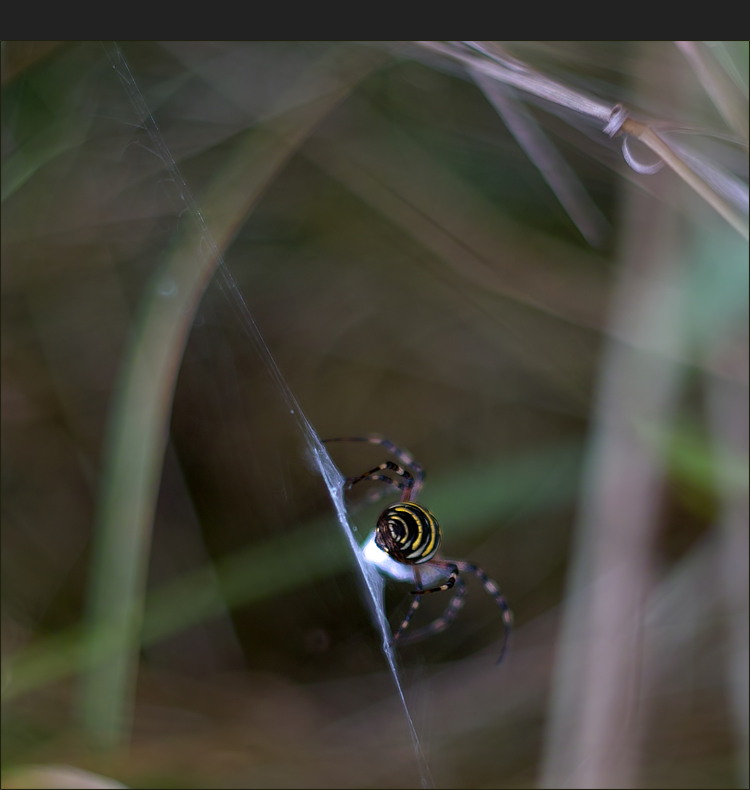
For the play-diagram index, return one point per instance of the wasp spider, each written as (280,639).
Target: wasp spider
(406,541)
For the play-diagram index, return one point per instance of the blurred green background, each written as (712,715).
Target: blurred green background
(580,409)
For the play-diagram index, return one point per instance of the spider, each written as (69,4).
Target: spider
(406,541)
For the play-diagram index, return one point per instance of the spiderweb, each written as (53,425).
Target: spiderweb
(223,294)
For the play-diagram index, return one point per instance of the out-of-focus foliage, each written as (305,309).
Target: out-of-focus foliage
(414,274)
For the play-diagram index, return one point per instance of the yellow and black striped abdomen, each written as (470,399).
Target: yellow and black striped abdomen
(408,533)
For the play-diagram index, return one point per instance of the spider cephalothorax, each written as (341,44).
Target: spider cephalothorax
(408,534)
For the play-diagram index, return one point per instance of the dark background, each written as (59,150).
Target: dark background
(412,274)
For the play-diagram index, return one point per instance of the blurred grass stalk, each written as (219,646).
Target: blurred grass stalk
(593,728)
(720,85)
(560,176)
(728,420)
(599,705)
(139,422)
(487,60)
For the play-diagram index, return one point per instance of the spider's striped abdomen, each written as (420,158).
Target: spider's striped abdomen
(408,532)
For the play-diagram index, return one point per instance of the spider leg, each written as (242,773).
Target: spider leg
(404,624)
(411,492)
(413,487)
(373,475)
(455,605)
(376,493)
(412,609)
(378,478)
(452,610)
(446,585)
(492,589)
